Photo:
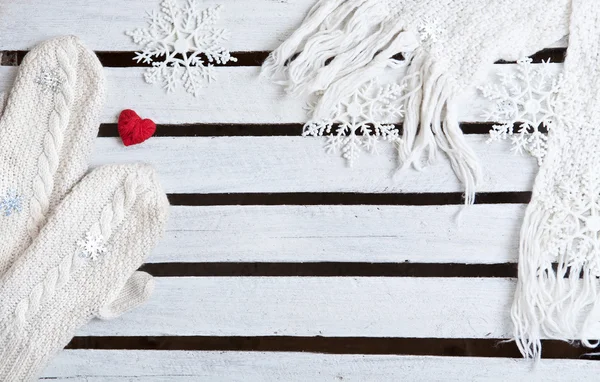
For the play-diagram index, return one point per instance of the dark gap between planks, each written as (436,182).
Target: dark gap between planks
(330,269)
(109,130)
(339,198)
(123,59)
(335,269)
(450,347)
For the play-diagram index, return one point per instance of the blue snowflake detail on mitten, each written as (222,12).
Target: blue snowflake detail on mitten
(11,203)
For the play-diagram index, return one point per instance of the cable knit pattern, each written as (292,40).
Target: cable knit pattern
(110,218)
(51,291)
(46,133)
(343,44)
(49,159)
(113,214)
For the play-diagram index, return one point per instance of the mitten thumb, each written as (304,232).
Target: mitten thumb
(135,292)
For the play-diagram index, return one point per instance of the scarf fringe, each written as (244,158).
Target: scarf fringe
(559,304)
(343,44)
(431,123)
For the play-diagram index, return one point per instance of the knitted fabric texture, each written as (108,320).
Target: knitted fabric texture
(558,288)
(46,134)
(343,44)
(64,260)
(80,266)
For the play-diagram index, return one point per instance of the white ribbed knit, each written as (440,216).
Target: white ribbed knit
(46,135)
(343,44)
(558,291)
(55,287)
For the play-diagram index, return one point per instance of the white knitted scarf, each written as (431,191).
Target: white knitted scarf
(559,258)
(343,44)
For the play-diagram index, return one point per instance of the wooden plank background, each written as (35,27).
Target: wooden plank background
(279,262)
(296,367)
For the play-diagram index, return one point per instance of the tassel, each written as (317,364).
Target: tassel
(530,288)
(342,45)
(352,81)
(431,123)
(274,65)
(335,40)
(560,303)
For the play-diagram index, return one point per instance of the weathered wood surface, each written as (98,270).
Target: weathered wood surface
(255,25)
(421,234)
(240,95)
(300,164)
(319,306)
(180,366)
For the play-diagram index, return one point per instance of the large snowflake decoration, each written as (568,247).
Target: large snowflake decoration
(10,204)
(524,100)
(92,246)
(360,121)
(182,43)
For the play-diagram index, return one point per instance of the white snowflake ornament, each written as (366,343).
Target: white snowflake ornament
(359,122)
(430,30)
(182,43)
(92,246)
(573,229)
(525,100)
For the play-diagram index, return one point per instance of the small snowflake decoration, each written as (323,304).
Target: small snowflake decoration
(525,99)
(92,246)
(10,204)
(430,30)
(356,123)
(48,80)
(182,43)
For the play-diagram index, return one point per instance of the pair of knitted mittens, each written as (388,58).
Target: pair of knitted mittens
(69,247)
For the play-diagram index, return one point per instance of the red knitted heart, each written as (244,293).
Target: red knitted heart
(133,129)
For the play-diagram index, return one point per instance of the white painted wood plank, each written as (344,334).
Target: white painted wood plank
(155,366)
(300,164)
(239,95)
(320,306)
(424,234)
(254,24)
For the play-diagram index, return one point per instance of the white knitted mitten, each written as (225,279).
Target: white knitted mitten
(46,134)
(344,43)
(80,266)
(558,290)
